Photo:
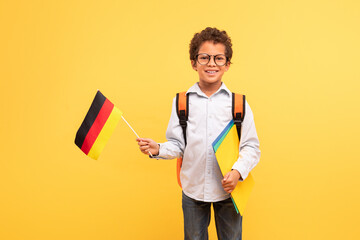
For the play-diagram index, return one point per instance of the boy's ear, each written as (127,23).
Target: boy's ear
(193,65)
(227,66)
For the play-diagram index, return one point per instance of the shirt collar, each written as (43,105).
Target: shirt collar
(196,89)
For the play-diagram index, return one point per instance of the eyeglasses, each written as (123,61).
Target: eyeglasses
(204,58)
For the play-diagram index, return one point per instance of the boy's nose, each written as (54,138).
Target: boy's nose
(212,61)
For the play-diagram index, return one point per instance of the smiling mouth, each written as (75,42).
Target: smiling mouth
(211,72)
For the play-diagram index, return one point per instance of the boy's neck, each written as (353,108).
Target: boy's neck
(209,89)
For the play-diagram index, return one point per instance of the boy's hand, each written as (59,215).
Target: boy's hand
(230,180)
(147,144)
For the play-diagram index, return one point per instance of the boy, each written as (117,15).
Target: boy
(210,111)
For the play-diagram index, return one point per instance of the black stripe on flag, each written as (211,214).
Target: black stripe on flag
(91,115)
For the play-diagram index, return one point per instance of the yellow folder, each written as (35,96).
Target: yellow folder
(226,148)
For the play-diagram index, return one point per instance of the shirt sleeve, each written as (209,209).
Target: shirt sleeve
(175,145)
(249,152)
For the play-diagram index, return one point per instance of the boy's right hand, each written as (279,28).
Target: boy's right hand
(147,144)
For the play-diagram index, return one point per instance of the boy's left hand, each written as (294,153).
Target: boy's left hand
(230,180)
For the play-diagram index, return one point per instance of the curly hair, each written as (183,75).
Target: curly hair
(214,35)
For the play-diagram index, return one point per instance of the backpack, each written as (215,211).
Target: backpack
(182,110)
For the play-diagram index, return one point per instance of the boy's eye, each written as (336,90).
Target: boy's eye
(203,56)
(220,58)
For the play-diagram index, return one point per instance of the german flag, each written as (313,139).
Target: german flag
(97,127)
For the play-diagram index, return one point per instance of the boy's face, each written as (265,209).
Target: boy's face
(210,73)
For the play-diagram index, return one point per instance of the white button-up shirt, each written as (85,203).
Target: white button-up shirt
(208,116)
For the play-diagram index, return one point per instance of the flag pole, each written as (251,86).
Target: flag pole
(133,130)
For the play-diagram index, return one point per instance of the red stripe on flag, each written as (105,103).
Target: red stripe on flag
(97,126)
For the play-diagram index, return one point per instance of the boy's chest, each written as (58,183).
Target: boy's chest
(209,113)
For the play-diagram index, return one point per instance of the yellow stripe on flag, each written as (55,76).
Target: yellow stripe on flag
(105,133)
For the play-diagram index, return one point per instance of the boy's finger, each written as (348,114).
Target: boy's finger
(143,148)
(145,140)
(143,144)
(226,177)
(226,184)
(144,152)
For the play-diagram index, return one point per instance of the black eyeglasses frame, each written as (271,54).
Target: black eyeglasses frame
(214,57)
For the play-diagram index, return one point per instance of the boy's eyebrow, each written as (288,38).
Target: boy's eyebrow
(210,54)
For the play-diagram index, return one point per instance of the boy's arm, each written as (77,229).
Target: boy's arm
(249,152)
(174,147)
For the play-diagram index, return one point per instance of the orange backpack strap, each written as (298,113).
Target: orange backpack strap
(182,110)
(238,111)
(178,169)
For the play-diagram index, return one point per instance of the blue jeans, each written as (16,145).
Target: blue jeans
(197,219)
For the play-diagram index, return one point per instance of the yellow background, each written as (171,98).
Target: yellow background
(297,62)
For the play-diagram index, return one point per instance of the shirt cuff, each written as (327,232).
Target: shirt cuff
(158,156)
(244,172)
